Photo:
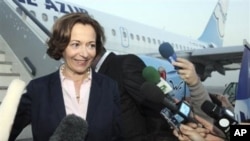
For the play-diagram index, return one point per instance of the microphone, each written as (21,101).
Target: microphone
(71,128)
(150,74)
(223,117)
(9,107)
(175,114)
(167,52)
(156,95)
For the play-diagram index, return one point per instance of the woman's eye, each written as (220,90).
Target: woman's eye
(92,45)
(74,45)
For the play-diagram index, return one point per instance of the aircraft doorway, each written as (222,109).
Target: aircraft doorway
(124,37)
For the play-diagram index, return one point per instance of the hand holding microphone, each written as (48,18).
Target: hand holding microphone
(204,130)
(223,117)
(187,71)
(175,114)
(184,67)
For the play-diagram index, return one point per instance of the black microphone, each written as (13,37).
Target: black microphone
(166,50)
(71,128)
(177,114)
(156,95)
(223,117)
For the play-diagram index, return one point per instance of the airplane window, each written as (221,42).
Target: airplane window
(172,44)
(159,42)
(113,32)
(149,40)
(33,13)
(138,37)
(92,16)
(143,38)
(19,11)
(55,18)
(154,41)
(132,36)
(124,35)
(45,17)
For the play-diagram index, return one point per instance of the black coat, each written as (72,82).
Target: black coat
(43,107)
(140,119)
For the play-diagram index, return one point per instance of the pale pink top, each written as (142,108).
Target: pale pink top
(69,96)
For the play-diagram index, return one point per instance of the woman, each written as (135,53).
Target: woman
(73,89)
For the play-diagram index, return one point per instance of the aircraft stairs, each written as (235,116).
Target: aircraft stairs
(12,65)
(11,68)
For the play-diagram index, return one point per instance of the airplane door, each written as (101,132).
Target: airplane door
(124,37)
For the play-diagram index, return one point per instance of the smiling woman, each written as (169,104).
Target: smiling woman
(74,88)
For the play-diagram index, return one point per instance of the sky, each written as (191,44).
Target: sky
(184,17)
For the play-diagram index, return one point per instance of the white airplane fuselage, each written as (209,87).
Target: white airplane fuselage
(123,36)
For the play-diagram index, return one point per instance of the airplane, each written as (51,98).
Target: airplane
(28,22)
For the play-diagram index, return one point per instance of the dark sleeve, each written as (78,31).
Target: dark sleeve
(117,116)
(22,118)
(132,78)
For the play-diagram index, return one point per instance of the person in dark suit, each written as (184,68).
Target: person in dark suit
(73,89)
(126,70)
(140,119)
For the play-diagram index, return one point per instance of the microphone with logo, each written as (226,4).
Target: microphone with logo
(71,128)
(150,74)
(174,114)
(223,117)
(167,52)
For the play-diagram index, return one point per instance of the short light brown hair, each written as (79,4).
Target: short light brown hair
(61,33)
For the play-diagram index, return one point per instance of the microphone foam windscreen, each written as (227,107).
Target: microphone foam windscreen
(71,128)
(9,106)
(166,50)
(152,92)
(150,74)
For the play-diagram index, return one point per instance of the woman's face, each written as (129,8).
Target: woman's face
(81,49)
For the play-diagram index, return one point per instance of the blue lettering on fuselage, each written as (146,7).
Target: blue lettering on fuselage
(62,7)
(71,9)
(56,6)
(29,2)
(50,5)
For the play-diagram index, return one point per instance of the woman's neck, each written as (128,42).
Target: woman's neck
(76,77)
